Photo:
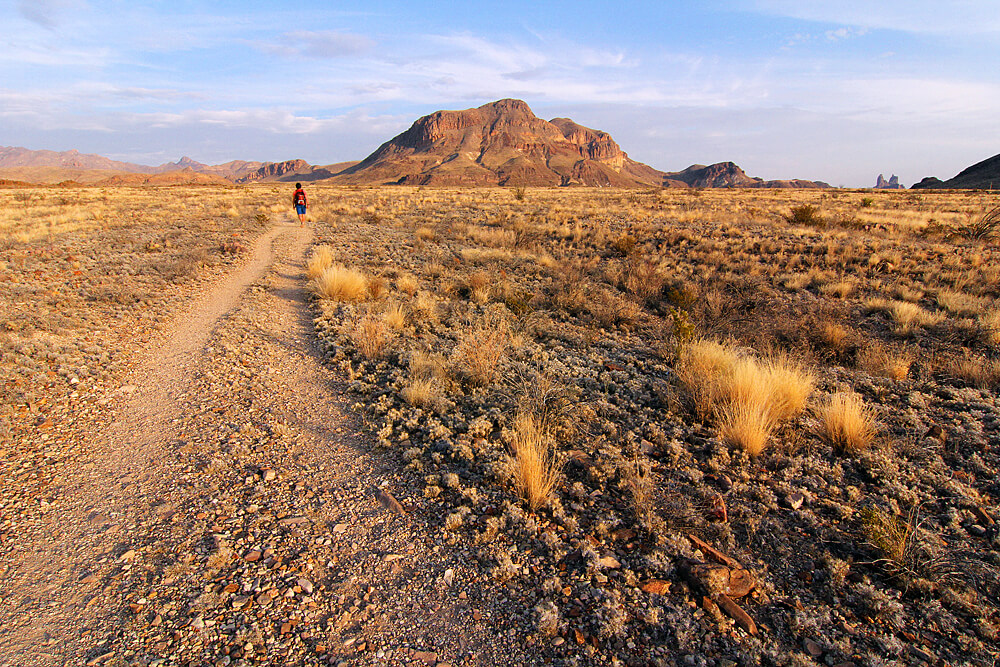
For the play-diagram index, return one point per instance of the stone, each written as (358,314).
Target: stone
(427,657)
(305,585)
(252,556)
(794,500)
(813,649)
(655,587)
(389,502)
(267,474)
(609,562)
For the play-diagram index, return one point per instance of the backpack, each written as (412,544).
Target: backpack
(299,198)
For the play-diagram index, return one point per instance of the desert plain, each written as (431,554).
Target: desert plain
(569,426)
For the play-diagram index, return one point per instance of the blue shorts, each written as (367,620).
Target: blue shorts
(300,209)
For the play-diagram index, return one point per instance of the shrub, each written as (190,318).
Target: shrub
(483,347)
(339,283)
(533,468)
(806,215)
(846,423)
(519,193)
(984,226)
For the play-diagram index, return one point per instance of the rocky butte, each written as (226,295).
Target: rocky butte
(504,143)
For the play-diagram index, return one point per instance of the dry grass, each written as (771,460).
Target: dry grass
(748,397)
(320,260)
(424,393)
(747,425)
(394,316)
(339,283)
(370,336)
(483,347)
(878,359)
(407,284)
(846,423)
(533,467)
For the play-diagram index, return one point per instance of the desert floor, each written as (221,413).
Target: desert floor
(498,426)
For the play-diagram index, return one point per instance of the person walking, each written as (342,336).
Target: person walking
(300,202)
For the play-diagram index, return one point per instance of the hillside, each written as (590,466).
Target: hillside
(983,175)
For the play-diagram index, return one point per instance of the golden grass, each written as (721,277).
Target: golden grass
(394,316)
(339,283)
(407,284)
(423,393)
(483,347)
(533,467)
(748,397)
(877,359)
(370,336)
(319,261)
(846,422)
(747,425)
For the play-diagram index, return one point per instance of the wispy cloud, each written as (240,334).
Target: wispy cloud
(318,44)
(46,13)
(961,17)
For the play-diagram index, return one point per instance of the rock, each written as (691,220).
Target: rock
(794,500)
(427,657)
(127,556)
(656,587)
(734,611)
(976,530)
(389,502)
(267,474)
(609,562)
(922,654)
(449,577)
(812,648)
(305,585)
(252,556)
(718,579)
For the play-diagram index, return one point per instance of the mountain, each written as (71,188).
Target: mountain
(983,175)
(500,143)
(729,175)
(12,157)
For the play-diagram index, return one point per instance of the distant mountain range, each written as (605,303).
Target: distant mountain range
(500,143)
(983,175)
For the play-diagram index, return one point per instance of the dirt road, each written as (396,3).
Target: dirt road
(220,506)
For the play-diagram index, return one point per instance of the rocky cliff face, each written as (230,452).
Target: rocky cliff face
(501,143)
(891,184)
(287,171)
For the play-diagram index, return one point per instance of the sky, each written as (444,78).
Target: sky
(833,91)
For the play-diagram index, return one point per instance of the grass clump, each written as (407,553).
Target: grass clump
(748,397)
(533,467)
(370,336)
(339,283)
(806,215)
(482,349)
(891,535)
(846,423)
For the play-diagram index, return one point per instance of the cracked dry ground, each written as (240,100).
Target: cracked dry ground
(221,505)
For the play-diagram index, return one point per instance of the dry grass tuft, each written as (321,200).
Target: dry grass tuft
(340,283)
(319,261)
(890,534)
(846,423)
(749,398)
(747,425)
(533,468)
(483,347)
(877,359)
(370,336)
(394,316)
(407,284)
(424,393)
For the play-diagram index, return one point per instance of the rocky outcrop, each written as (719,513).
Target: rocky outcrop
(891,184)
(287,171)
(729,175)
(983,175)
(501,143)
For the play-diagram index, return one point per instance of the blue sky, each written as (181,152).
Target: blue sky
(785,88)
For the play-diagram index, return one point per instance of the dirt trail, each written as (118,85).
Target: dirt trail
(231,439)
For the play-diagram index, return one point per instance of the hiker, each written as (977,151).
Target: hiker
(300,202)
